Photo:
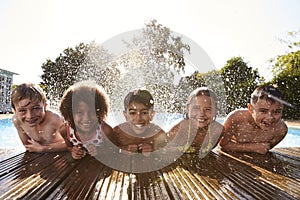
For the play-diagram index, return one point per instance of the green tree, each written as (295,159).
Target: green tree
(239,82)
(81,63)
(211,79)
(153,57)
(286,71)
(151,60)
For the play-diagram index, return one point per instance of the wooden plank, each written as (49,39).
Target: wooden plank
(217,176)
(271,183)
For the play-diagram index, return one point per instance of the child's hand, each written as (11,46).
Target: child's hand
(132,148)
(78,152)
(33,146)
(145,149)
(92,150)
(262,148)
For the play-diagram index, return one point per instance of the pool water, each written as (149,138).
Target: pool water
(9,138)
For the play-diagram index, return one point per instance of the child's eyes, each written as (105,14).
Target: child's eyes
(263,111)
(204,109)
(277,112)
(37,108)
(22,110)
(132,113)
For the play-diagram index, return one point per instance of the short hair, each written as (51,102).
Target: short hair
(203,91)
(88,92)
(266,92)
(139,96)
(29,91)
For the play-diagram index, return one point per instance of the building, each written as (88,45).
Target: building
(6,81)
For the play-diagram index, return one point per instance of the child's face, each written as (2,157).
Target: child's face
(266,113)
(138,114)
(85,118)
(31,113)
(202,110)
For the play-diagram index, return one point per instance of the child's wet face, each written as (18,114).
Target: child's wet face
(202,110)
(266,113)
(85,118)
(30,112)
(138,114)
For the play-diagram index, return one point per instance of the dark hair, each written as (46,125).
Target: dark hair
(90,93)
(266,92)
(27,91)
(139,96)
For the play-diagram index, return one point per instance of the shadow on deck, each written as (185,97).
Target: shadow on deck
(218,176)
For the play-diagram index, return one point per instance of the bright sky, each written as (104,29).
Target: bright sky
(34,30)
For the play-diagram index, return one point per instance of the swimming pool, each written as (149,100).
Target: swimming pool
(9,139)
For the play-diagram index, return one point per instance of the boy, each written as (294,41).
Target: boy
(137,134)
(258,128)
(36,126)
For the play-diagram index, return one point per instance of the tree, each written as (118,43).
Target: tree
(211,79)
(83,62)
(151,60)
(239,82)
(153,57)
(286,71)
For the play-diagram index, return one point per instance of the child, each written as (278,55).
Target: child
(198,131)
(138,134)
(258,128)
(38,127)
(85,106)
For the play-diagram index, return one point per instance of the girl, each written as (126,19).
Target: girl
(84,107)
(198,130)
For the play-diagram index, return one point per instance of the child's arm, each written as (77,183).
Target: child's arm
(160,140)
(60,144)
(261,148)
(78,152)
(34,146)
(23,136)
(232,126)
(281,133)
(110,134)
(228,134)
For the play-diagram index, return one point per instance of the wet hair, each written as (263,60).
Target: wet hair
(139,96)
(203,91)
(265,92)
(29,91)
(88,92)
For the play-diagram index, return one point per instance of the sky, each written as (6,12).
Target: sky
(33,31)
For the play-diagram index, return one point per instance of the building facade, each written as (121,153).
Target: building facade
(6,81)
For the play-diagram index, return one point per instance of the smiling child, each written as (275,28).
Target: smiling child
(258,128)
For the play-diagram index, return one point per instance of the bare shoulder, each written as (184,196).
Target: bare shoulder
(53,120)
(107,128)
(216,126)
(53,115)
(176,127)
(117,129)
(15,120)
(237,116)
(157,129)
(282,127)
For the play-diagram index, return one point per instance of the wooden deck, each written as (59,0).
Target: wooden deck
(217,176)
